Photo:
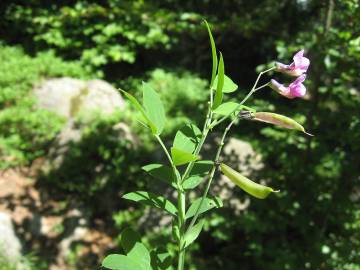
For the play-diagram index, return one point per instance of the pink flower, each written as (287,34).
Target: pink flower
(295,89)
(296,68)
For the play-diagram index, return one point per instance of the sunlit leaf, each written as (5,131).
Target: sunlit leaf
(120,262)
(227,108)
(161,172)
(137,105)
(213,54)
(199,171)
(208,203)
(229,85)
(131,243)
(153,200)
(219,89)
(181,157)
(154,108)
(183,142)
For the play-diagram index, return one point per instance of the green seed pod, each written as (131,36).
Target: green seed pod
(254,189)
(279,120)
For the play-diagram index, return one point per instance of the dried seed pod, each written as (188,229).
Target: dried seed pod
(254,189)
(279,120)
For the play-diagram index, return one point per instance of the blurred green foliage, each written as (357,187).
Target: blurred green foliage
(25,131)
(313,223)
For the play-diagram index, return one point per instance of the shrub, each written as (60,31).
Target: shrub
(25,131)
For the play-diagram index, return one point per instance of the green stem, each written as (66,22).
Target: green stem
(253,90)
(181,196)
(260,87)
(211,174)
(181,219)
(181,206)
(205,132)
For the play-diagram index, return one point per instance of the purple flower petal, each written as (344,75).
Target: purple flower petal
(299,66)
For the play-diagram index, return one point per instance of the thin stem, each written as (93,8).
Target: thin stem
(181,199)
(166,151)
(211,174)
(205,132)
(181,206)
(253,89)
(260,87)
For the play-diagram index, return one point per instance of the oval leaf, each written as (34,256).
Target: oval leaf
(252,188)
(183,142)
(194,232)
(161,172)
(227,108)
(207,204)
(181,157)
(154,108)
(134,249)
(120,262)
(229,85)
(151,199)
(197,174)
(279,120)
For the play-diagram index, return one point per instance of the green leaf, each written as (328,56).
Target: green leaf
(134,249)
(137,105)
(183,142)
(229,85)
(219,89)
(227,108)
(193,233)
(187,138)
(213,54)
(208,203)
(161,259)
(151,199)
(120,262)
(181,157)
(199,171)
(154,108)
(161,172)
(128,239)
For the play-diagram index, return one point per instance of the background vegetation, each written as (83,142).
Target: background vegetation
(315,221)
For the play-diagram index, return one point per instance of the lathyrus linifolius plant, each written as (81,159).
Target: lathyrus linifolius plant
(186,170)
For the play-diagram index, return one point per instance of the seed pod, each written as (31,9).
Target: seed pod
(254,189)
(279,120)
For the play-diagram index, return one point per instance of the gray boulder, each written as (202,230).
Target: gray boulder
(68,97)
(10,247)
(79,102)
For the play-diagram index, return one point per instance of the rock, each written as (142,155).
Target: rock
(68,97)
(242,156)
(79,102)
(10,247)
